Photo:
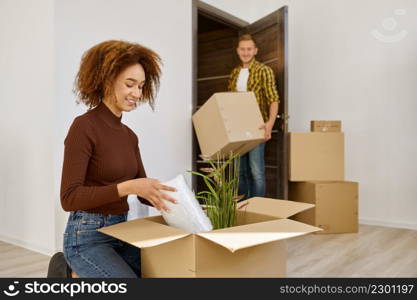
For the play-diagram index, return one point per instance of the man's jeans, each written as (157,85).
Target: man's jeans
(252,173)
(91,253)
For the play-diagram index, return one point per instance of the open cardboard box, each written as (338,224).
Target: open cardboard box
(256,247)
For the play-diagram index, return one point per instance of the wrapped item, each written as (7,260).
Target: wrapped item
(187,214)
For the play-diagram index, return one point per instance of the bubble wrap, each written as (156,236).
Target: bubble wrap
(187,214)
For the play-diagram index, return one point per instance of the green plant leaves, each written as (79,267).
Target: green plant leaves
(222,182)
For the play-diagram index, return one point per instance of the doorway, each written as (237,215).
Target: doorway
(215,36)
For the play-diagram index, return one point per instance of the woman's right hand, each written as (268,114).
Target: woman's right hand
(152,190)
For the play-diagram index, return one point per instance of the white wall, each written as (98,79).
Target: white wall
(42,43)
(26,120)
(339,70)
(164,135)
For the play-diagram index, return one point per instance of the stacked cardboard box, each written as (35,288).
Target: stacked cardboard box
(316,174)
(325,126)
(316,156)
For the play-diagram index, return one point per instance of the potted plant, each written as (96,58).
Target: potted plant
(221,197)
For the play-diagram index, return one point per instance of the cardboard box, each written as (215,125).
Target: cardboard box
(228,122)
(326,126)
(254,248)
(316,156)
(336,205)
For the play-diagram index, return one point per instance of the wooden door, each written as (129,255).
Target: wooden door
(270,34)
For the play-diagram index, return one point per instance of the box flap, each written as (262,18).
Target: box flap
(273,207)
(143,233)
(240,237)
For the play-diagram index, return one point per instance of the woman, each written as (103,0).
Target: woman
(102,162)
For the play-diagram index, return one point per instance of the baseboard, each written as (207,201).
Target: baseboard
(26,245)
(388,224)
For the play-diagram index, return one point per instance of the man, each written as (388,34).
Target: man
(252,75)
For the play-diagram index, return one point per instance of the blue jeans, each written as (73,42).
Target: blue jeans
(252,173)
(91,253)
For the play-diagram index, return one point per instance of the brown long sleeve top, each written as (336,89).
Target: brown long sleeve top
(100,152)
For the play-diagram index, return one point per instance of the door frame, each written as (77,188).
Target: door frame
(219,16)
(233,21)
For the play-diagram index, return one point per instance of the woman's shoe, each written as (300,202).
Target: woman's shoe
(58,267)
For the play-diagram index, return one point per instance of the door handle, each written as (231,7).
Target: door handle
(283,117)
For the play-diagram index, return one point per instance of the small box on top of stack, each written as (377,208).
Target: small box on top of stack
(316,174)
(326,126)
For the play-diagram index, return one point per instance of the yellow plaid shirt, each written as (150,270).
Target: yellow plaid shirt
(261,81)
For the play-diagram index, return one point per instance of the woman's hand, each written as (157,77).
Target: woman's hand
(152,190)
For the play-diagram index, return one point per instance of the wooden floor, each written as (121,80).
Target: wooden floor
(20,262)
(373,252)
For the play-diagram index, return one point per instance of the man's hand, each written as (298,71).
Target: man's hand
(268,129)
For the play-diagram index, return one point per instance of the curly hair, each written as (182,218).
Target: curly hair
(101,64)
